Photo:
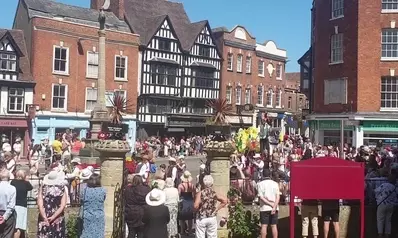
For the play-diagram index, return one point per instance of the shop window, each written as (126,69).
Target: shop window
(16,99)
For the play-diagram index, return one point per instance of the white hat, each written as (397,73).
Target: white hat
(85,174)
(18,140)
(155,198)
(76,160)
(181,157)
(202,166)
(53,178)
(257,156)
(172,159)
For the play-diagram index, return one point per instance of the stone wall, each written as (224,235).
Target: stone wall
(349,221)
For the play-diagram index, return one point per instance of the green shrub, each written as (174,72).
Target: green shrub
(241,222)
(71,227)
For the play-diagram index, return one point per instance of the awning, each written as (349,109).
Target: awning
(162,60)
(202,64)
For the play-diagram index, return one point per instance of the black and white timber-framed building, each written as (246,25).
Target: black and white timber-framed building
(180,68)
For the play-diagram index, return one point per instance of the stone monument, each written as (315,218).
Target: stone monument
(112,155)
(218,157)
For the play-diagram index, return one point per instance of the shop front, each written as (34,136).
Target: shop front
(240,121)
(375,132)
(182,125)
(16,128)
(327,132)
(47,127)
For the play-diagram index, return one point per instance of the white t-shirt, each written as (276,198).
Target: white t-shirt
(6,147)
(17,147)
(144,170)
(268,189)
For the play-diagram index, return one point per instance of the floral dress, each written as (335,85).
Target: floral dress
(52,197)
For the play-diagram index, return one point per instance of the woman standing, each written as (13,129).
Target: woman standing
(34,156)
(206,207)
(156,215)
(187,192)
(134,207)
(22,187)
(172,198)
(93,215)
(386,198)
(52,202)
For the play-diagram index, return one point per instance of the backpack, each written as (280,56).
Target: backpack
(152,168)
(248,191)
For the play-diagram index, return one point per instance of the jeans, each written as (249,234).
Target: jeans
(384,214)
(307,213)
(206,227)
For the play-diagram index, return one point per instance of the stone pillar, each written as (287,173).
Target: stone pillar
(112,154)
(219,170)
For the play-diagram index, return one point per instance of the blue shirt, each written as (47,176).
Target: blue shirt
(387,194)
(7,198)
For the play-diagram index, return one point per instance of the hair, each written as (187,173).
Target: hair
(137,180)
(3,164)
(4,175)
(20,175)
(163,166)
(208,181)
(130,178)
(94,181)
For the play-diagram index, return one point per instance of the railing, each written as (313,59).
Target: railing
(74,188)
(369,194)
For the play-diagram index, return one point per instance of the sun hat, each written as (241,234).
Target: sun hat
(18,140)
(169,183)
(172,159)
(181,157)
(155,198)
(53,178)
(257,156)
(186,177)
(202,167)
(76,160)
(85,174)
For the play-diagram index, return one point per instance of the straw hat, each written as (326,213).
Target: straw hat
(171,159)
(76,160)
(53,178)
(186,177)
(86,174)
(155,198)
(257,156)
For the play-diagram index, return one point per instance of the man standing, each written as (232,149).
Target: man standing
(269,195)
(7,206)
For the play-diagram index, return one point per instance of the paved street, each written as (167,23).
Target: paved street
(192,162)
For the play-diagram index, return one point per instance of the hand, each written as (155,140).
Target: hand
(2,220)
(50,219)
(273,211)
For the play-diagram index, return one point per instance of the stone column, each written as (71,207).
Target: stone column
(112,154)
(219,170)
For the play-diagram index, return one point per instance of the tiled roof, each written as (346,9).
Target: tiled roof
(24,64)
(87,16)
(293,80)
(144,17)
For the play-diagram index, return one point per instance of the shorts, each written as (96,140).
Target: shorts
(266,218)
(331,215)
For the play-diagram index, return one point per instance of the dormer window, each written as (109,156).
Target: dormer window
(8,62)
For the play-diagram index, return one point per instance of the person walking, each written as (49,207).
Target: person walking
(22,187)
(93,215)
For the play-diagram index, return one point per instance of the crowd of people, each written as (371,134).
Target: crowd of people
(172,146)
(166,200)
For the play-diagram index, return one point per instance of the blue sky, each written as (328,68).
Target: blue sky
(287,22)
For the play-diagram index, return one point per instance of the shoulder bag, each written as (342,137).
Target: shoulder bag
(80,218)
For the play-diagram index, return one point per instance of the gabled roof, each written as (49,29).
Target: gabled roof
(306,55)
(225,29)
(145,17)
(87,16)
(18,38)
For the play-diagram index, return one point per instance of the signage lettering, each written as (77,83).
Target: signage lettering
(186,123)
(8,123)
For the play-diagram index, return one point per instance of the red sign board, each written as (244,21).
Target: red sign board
(13,123)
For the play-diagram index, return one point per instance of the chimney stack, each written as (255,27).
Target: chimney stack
(117,7)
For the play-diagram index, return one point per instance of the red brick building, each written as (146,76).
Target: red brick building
(354,53)
(62,43)
(252,74)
